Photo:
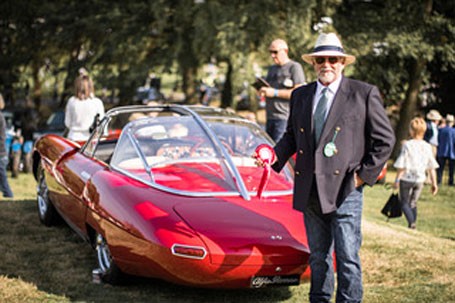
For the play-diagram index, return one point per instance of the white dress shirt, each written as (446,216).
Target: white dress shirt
(331,91)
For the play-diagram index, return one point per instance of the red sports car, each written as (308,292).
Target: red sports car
(172,192)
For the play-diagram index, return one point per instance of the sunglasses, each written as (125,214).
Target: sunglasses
(332,60)
(274,52)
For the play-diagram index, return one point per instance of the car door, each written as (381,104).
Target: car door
(73,172)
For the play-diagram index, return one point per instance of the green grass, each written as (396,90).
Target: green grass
(39,264)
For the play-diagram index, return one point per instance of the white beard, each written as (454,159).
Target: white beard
(327,76)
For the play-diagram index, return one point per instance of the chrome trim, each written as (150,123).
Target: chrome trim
(141,155)
(189,246)
(227,164)
(175,191)
(233,171)
(198,194)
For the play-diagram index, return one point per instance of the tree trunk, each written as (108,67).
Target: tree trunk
(226,96)
(36,94)
(188,84)
(188,63)
(409,106)
(71,74)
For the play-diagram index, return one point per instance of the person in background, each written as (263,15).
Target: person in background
(82,108)
(431,134)
(283,77)
(342,137)
(446,149)
(415,159)
(4,185)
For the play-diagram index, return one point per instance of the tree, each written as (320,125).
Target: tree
(395,52)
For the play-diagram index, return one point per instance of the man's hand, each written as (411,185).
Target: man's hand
(267,92)
(264,154)
(358,181)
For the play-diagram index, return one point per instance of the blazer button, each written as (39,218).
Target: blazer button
(297,173)
(302,130)
(336,172)
(300,151)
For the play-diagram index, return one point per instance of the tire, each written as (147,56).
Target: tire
(46,211)
(109,271)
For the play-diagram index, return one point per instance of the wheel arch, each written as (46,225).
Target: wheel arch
(91,235)
(36,162)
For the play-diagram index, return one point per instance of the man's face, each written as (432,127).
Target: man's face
(278,53)
(328,69)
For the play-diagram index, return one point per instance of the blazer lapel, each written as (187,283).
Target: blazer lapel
(307,109)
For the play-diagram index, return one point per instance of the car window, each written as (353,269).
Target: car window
(182,152)
(156,150)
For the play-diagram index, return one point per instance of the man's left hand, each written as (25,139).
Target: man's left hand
(358,181)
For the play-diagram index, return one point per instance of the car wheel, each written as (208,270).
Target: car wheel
(109,271)
(46,211)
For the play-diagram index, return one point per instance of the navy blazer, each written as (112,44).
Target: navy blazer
(364,143)
(446,143)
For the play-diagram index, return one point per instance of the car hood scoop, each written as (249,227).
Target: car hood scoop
(235,234)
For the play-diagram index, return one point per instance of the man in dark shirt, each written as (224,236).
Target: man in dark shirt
(283,77)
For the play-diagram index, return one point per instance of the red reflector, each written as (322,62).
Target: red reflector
(193,252)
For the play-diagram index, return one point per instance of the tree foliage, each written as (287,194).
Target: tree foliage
(398,44)
(406,48)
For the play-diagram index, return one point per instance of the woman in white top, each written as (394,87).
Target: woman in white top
(82,109)
(415,160)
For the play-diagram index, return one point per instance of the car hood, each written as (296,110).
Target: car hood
(235,234)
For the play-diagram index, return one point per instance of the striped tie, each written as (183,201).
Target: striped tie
(319,115)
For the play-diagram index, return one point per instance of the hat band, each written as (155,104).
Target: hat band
(328,48)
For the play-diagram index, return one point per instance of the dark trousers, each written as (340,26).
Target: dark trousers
(442,162)
(4,185)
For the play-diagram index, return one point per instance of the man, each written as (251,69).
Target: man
(446,149)
(4,185)
(339,148)
(431,134)
(283,77)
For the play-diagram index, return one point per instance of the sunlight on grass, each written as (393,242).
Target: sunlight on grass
(18,291)
(40,264)
(23,187)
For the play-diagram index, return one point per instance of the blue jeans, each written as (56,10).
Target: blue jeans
(4,186)
(275,128)
(409,195)
(339,230)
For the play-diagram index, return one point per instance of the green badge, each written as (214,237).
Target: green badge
(330,149)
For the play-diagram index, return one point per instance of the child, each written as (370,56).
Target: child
(415,159)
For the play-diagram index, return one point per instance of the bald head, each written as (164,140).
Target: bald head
(279,51)
(278,44)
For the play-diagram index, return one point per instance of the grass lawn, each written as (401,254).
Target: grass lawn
(39,264)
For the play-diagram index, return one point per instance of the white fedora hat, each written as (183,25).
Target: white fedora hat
(328,45)
(434,115)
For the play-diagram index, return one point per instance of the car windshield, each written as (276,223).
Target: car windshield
(195,154)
